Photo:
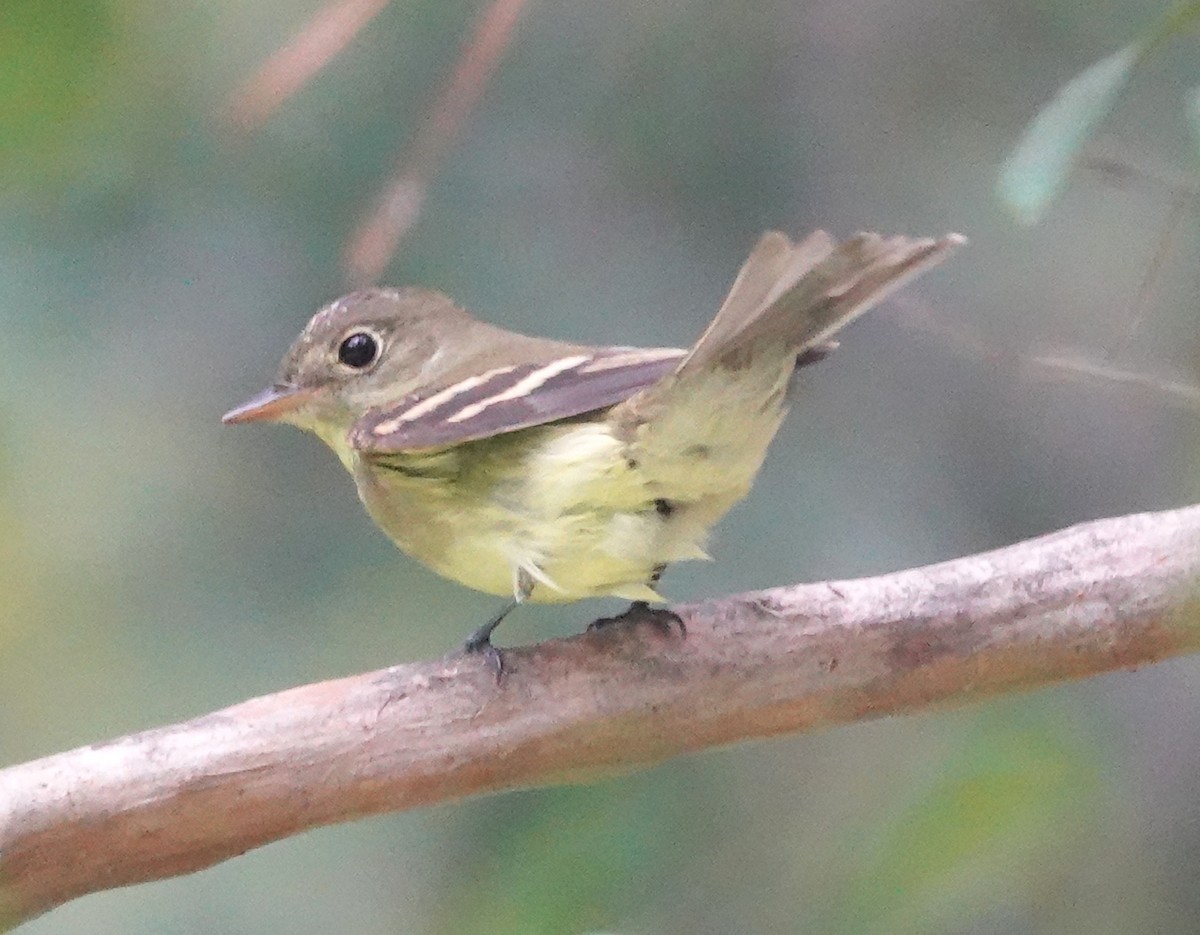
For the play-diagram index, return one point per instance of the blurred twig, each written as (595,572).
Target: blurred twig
(397,207)
(1068,366)
(1117,169)
(287,71)
(1102,596)
(1184,198)
(1062,365)
(1181,207)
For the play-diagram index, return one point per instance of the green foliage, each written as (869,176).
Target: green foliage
(56,58)
(566,860)
(995,817)
(1036,171)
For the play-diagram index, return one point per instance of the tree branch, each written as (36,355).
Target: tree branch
(1106,595)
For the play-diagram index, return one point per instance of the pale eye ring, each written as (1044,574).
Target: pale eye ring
(358,350)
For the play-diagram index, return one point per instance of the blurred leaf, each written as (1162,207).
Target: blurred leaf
(993,821)
(53,57)
(1037,168)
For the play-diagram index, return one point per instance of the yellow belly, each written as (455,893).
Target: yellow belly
(560,503)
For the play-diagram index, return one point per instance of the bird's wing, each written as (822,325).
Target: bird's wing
(518,396)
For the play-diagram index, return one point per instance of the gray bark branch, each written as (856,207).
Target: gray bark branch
(1113,594)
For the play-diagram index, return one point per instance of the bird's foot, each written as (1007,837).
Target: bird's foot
(480,642)
(638,612)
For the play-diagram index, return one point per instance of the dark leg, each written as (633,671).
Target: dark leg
(480,641)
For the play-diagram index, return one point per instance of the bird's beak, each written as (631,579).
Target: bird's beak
(271,405)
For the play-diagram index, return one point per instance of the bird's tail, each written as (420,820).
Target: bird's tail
(703,430)
(798,295)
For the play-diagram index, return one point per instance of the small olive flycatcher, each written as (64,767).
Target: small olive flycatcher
(548,471)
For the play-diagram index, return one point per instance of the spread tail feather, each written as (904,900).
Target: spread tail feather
(700,434)
(798,295)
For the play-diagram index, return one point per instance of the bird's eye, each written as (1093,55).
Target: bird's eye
(358,350)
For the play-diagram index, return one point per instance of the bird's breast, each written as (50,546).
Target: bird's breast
(559,501)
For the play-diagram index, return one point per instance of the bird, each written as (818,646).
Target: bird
(546,471)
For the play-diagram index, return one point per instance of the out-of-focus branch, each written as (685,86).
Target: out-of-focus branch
(1106,595)
(398,206)
(1061,365)
(1120,167)
(1073,366)
(1119,170)
(287,71)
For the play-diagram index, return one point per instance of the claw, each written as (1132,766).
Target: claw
(479,643)
(641,612)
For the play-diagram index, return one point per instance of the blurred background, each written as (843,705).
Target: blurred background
(155,261)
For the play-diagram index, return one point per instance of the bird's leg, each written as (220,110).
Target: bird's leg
(480,641)
(641,612)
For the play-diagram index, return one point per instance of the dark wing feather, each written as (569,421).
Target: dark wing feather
(506,399)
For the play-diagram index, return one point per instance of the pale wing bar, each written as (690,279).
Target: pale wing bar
(510,398)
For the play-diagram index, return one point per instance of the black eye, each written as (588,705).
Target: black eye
(358,350)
